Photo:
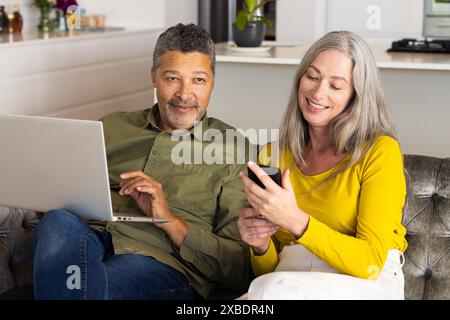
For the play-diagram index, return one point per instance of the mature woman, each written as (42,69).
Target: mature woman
(336,220)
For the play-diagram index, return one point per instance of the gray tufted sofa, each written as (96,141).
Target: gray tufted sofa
(16,229)
(426,217)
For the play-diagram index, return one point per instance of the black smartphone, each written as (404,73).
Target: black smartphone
(272,172)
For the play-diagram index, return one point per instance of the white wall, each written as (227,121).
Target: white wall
(144,13)
(303,21)
(129,13)
(377,18)
(184,11)
(300,21)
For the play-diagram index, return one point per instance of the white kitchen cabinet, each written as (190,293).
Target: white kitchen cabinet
(303,21)
(82,76)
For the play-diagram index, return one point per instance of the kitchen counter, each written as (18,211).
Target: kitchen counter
(290,54)
(37,38)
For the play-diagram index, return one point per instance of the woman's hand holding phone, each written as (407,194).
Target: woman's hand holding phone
(275,203)
(273,172)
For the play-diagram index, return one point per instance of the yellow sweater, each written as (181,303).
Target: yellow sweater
(355,218)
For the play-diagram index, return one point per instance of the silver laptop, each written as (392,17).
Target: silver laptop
(51,163)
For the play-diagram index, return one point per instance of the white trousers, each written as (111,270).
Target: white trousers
(301,275)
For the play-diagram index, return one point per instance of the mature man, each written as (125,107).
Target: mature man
(184,258)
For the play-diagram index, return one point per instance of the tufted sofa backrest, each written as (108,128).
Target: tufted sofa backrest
(426,216)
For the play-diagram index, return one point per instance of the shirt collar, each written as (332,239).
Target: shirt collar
(151,120)
(194,131)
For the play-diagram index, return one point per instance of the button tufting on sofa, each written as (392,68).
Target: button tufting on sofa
(16,228)
(427,219)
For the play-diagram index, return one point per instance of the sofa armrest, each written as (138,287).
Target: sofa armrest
(16,229)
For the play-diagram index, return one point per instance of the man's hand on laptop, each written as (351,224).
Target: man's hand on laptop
(149,196)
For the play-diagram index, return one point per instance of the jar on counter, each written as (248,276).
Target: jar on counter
(100,21)
(17,22)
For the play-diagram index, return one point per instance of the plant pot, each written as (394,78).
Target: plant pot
(252,35)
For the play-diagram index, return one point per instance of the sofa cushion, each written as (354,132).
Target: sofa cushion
(16,228)
(427,219)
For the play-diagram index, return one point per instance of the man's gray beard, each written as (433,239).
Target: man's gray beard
(176,123)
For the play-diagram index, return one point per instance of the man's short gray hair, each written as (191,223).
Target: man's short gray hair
(185,38)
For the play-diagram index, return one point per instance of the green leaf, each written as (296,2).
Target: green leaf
(266,21)
(262,4)
(251,4)
(246,14)
(241,20)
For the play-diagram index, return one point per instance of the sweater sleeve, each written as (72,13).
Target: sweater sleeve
(265,263)
(381,200)
(269,260)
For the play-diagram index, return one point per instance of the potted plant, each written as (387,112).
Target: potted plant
(250,26)
(44,6)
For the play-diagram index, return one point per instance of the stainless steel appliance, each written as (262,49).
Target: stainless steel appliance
(436,22)
(436,31)
(425,46)
(216,16)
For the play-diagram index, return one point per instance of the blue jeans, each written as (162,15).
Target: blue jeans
(73,261)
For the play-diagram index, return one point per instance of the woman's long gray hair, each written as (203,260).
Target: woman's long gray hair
(366,116)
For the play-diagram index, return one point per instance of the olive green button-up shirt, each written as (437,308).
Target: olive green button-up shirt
(208,197)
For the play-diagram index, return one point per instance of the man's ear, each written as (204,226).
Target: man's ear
(153,75)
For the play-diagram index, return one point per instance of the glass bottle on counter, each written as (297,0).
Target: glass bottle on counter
(3,20)
(18,20)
